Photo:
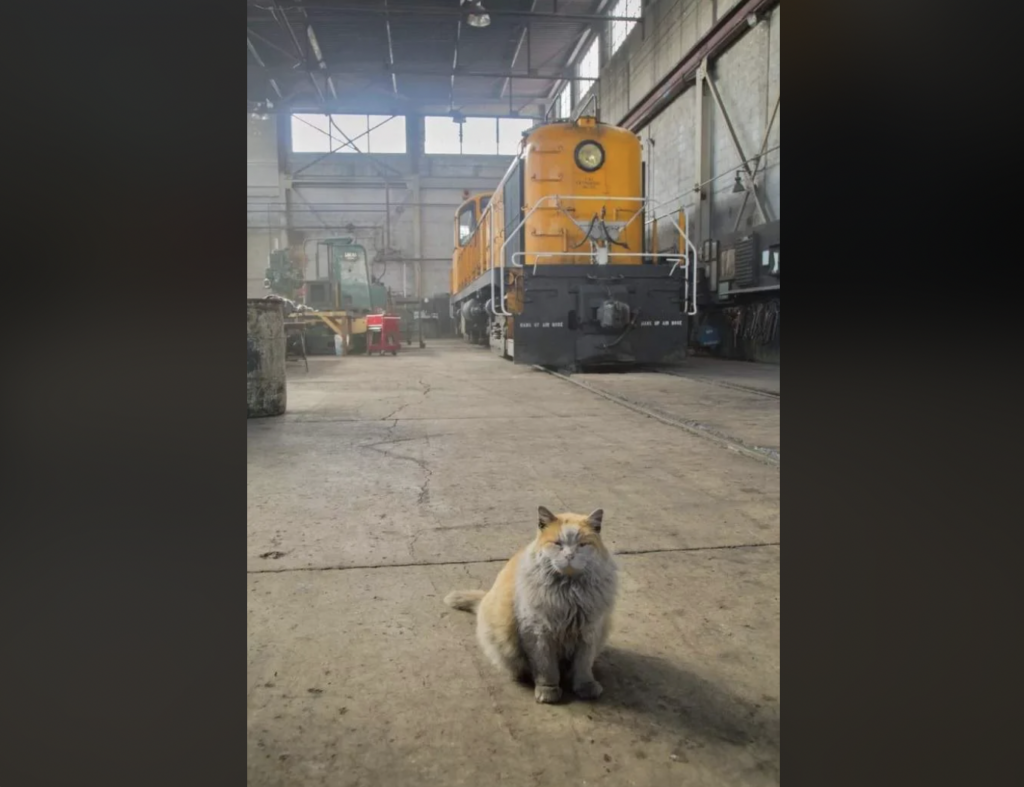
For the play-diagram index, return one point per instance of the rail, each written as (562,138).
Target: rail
(689,269)
(522,223)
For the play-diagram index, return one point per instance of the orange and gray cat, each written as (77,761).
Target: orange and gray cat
(550,606)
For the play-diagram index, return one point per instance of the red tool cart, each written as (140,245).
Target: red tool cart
(383,334)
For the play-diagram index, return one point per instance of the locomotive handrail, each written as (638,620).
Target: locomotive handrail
(691,308)
(499,308)
(522,223)
(690,282)
(591,99)
(688,268)
(538,254)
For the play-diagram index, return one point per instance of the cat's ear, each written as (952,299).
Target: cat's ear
(594,520)
(546,517)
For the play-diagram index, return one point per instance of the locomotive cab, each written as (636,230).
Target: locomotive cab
(468,263)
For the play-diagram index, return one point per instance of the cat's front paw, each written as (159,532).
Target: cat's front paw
(547,693)
(590,690)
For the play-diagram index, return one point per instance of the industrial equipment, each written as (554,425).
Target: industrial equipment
(348,286)
(556,267)
(739,286)
(286,273)
(336,301)
(383,334)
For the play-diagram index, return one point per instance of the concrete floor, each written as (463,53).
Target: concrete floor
(394,480)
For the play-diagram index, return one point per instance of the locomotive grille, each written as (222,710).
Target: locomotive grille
(746,273)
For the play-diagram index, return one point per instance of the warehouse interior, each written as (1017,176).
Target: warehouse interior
(382,482)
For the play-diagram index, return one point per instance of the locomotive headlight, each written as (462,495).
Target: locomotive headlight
(589,156)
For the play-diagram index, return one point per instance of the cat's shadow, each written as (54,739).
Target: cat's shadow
(681,702)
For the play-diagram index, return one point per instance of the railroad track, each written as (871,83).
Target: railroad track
(721,383)
(768,456)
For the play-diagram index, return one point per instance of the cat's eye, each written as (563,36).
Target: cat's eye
(559,544)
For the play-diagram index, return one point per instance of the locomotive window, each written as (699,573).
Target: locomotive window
(484,202)
(467,224)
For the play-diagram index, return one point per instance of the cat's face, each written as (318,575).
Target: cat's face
(571,543)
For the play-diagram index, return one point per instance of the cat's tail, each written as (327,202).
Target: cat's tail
(466,600)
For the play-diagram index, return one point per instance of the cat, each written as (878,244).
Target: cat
(550,606)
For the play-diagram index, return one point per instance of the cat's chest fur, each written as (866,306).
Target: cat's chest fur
(566,610)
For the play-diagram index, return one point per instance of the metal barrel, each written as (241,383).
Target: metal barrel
(265,390)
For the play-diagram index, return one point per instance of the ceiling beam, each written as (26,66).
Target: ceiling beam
(290,55)
(391,50)
(515,55)
(283,21)
(282,71)
(259,60)
(453,11)
(455,66)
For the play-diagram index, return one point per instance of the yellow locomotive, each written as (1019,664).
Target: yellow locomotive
(557,267)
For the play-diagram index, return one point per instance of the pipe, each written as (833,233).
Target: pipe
(449,12)
(417,225)
(647,189)
(730,27)
(387,218)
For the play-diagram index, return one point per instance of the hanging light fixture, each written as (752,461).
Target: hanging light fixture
(261,109)
(737,186)
(478,16)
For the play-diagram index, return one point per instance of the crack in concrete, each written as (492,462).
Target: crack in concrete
(423,497)
(392,414)
(407,439)
(425,391)
(483,561)
(421,463)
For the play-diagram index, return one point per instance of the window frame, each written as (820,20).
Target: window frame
(621,8)
(337,144)
(591,82)
(530,121)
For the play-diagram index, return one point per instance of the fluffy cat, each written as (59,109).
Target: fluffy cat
(550,606)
